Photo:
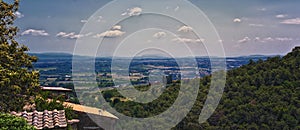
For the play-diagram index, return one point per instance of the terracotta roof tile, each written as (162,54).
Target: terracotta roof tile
(44,120)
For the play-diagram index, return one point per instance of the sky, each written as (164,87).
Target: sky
(256,27)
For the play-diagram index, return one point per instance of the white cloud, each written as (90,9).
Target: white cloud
(114,32)
(117,27)
(244,40)
(284,39)
(136,11)
(18,14)
(183,40)
(266,39)
(110,34)
(160,35)
(295,21)
(34,32)
(256,25)
(188,40)
(71,35)
(257,39)
(237,20)
(281,16)
(185,29)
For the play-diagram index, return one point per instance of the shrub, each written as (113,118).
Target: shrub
(10,122)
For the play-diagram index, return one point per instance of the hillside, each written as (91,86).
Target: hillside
(260,95)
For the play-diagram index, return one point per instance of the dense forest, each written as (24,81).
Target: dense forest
(259,95)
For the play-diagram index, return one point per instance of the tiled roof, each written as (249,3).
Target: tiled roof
(44,120)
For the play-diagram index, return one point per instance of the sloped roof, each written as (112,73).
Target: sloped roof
(44,120)
(56,89)
(90,110)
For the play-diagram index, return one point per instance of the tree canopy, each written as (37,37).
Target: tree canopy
(18,80)
(260,95)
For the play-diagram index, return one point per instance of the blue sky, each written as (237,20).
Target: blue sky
(245,27)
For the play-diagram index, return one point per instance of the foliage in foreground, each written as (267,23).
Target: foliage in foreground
(18,81)
(10,122)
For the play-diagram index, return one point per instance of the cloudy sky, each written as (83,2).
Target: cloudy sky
(245,27)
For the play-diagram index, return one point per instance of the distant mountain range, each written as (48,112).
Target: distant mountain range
(69,56)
